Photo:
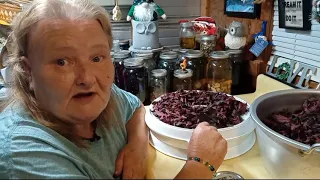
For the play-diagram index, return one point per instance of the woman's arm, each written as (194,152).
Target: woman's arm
(137,129)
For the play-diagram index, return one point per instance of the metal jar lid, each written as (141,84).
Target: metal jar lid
(235,51)
(208,38)
(219,55)
(159,72)
(227,175)
(133,62)
(186,24)
(121,54)
(145,55)
(124,42)
(169,55)
(181,74)
(194,54)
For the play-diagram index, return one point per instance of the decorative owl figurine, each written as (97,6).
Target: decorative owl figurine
(236,36)
(145,10)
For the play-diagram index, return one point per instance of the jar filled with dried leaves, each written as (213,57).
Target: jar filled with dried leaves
(182,79)
(219,72)
(207,44)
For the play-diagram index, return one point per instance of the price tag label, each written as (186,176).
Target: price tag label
(259,47)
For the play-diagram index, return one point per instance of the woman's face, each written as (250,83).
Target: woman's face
(71,72)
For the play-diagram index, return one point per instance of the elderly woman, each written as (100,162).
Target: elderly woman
(66,118)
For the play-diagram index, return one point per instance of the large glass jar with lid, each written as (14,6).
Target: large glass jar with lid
(118,59)
(187,36)
(239,71)
(169,62)
(195,61)
(149,64)
(134,74)
(219,72)
(207,44)
(182,79)
(158,83)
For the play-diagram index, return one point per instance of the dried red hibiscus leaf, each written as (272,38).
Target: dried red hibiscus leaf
(187,109)
(302,125)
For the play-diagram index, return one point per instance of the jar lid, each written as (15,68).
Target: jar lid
(159,72)
(169,55)
(227,175)
(194,54)
(181,74)
(123,42)
(208,37)
(235,51)
(144,55)
(186,24)
(132,62)
(219,55)
(121,54)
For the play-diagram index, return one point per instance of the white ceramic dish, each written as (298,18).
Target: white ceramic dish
(179,153)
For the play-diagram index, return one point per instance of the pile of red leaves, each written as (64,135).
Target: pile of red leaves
(187,109)
(303,125)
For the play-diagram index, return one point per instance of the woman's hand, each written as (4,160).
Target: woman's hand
(208,144)
(132,162)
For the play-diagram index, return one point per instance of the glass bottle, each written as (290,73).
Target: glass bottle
(182,79)
(158,83)
(208,44)
(239,71)
(134,74)
(124,45)
(219,72)
(118,59)
(169,62)
(187,36)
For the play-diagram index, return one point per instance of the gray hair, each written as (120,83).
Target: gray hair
(22,25)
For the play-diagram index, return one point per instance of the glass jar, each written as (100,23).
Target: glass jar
(239,71)
(169,62)
(198,41)
(134,74)
(124,44)
(116,46)
(118,59)
(158,83)
(198,64)
(149,65)
(182,79)
(219,72)
(187,36)
(207,45)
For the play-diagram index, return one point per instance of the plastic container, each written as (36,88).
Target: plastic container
(174,140)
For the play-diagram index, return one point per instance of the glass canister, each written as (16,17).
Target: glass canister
(207,44)
(119,57)
(182,79)
(134,74)
(149,65)
(195,61)
(158,83)
(219,72)
(187,36)
(239,71)
(124,44)
(169,62)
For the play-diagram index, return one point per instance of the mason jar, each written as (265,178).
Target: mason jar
(187,36)
(219,72)
(124,44)
(182,79)
(239,71)
(169,62)
(158,83)
(134,74)
(207,45)
(118,58)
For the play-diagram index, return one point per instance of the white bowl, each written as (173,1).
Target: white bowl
(178,138)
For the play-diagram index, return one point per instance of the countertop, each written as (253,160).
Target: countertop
(249,165)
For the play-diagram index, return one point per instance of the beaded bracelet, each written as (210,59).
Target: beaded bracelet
(203,162)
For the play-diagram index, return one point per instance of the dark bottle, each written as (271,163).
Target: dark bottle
(124,44)
(118,58)
(134,74)
(239,72)
(169,62)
